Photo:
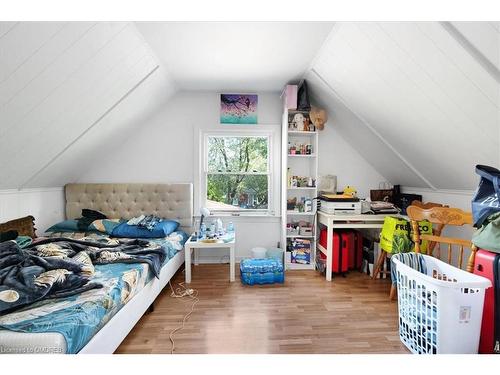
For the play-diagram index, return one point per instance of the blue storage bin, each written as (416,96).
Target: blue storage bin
(261,271)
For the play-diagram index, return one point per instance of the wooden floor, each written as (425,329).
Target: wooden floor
(305,315)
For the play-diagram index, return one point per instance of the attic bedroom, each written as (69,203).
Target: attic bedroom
(279,187)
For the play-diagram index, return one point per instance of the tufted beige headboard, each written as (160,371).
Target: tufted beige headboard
(172,201)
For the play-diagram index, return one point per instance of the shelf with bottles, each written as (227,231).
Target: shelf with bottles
(300,149)
(300,181)
(301,228)
(305,205)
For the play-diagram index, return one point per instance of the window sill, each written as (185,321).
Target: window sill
(242,215)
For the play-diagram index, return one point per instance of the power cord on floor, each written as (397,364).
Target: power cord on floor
(182,292)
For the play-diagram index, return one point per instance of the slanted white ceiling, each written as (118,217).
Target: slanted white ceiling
(57,81)
(484,36)
(95,146)
(361,135)
(245,56)
(421,95)
(419,101)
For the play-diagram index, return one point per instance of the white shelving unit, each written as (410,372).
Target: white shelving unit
(300,165)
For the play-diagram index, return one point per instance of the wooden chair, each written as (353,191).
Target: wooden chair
(443,216)
(439,227)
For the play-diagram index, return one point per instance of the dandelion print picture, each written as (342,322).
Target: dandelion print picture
(238,109)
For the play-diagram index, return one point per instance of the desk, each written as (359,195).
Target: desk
(190,245)
(343,222)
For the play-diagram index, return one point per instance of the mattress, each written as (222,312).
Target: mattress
(32,343)
(66,325)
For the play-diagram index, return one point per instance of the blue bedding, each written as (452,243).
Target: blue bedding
(79,317)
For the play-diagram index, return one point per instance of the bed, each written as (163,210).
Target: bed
(173,201)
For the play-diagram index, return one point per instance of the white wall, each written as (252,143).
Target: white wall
(340,158)
(45,205)
(163,149)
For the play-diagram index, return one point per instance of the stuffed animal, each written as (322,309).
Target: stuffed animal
(350,190)
(299,122)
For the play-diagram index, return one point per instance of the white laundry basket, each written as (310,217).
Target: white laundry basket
(440,314)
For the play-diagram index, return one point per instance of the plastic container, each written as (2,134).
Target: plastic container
(440,314)
(259,252)
(261,271)
(260,265)
(275,253)
(262,278)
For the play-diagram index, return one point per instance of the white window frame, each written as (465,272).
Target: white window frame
(273,168)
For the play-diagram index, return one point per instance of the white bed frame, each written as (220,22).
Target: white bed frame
(174,201)
(114,332)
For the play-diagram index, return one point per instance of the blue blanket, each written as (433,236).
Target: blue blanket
(79,317)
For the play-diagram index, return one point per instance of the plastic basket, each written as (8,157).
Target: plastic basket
(440,311)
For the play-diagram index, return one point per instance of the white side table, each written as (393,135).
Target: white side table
(191,245)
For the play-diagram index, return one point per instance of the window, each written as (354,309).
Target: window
(237,172)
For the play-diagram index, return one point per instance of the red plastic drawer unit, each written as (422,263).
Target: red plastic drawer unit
(484,265)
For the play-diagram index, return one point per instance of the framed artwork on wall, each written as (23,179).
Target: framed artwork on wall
(238,109)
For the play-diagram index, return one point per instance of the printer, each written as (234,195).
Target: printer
(340,204)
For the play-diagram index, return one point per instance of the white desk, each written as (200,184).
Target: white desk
(342,222)
(191,245)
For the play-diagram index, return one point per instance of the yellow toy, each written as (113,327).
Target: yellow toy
(349,190)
